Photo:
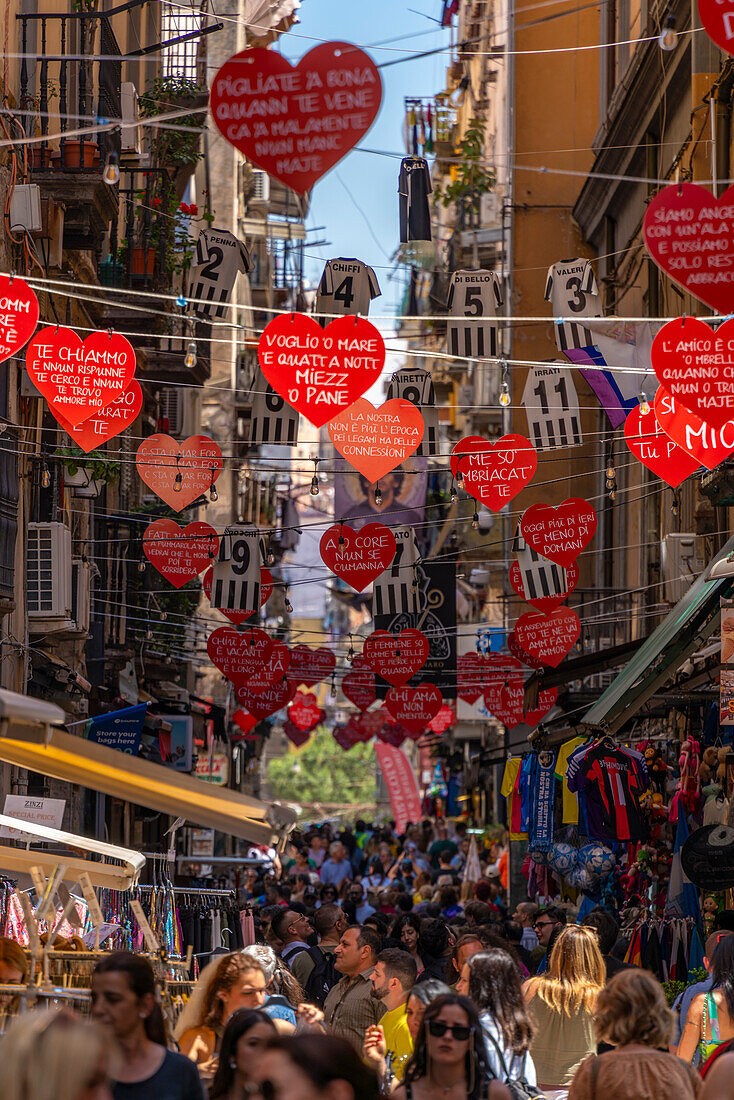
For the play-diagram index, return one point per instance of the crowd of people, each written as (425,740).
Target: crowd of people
(382,969)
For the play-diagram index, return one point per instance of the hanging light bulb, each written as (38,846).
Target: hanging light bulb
(111,173)
(611,482)
(85,561)
(288,604)
(378,495)
(505,398)
(644,403)
(164,616)
(149,634)
(270,555)
(675,506)
(213,494)
(454,494)
(178,482)
(341,540)
(668,38)
(45,476)
(475,521)
(190,357)
(314,490)
(459,480)
(141,567)
(611,472)
(612,494)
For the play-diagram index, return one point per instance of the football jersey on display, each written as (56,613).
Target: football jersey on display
(473,300)
(347,287)
(571,289)
(414,187)
(218,259)
(612,781)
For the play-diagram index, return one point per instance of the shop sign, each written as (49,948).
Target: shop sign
(709,446)
(201,843)
(548,637)
(179,553)
(18,315)
(544,603)
(655,449)
(358,557)
(238,655)
(376,440)
(48,812)
(396,657)
(494,473)
(79,377)
(120,729)
(179,473)
(310,666)
(213,767)
(402,788)
(177,748)
(414,708)
(559,534)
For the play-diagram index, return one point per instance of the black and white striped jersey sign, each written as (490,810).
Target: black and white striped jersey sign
(273,419)
(539,576)
(236,574)
(552,407)
(218,258)
(473,300)
(392,592)
(416,386)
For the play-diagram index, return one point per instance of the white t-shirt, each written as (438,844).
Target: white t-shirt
(219,258)
(571,289)
(473,300)
(347,286)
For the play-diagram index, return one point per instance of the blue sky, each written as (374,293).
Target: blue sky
(370,180)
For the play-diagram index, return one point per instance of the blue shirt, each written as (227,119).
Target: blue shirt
(683,1004)
(335,873)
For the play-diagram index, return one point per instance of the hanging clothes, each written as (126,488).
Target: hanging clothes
(414,187)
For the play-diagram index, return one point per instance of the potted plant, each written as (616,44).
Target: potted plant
(87,474)
(176,148)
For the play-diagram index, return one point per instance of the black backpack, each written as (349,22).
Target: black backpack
(323,976)
(519,1087)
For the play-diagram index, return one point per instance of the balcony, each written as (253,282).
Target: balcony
(431,124)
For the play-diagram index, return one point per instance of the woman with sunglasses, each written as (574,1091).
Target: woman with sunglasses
(449,1060)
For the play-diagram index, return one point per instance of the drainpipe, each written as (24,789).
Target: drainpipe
(705,68)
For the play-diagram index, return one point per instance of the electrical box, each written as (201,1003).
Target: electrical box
(25,208)
(681,560)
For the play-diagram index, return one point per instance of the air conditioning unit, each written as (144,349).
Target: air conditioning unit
(48,572)
(80,594)
(260,187)
(130,135)
(681,560)
(25,208)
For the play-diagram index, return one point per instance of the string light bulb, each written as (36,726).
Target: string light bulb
(611,482)
(45,476)
(178,482)
(270,558)
(288,604)
(644,403)
(85,561)
(164,616)
(668,38)
(459,480)
(611,472)
(612,494)
(314,490)
(505,399)
(378,495)
(675,506)
(190,357)
(141,566)
(111,173)
(475,520)
(454,494)
(149,634)
(213,494)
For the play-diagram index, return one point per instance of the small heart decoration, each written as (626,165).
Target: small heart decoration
(271,670)
(414,708)
(707,445)
(396,657)
(655,449)
(559,534)
(444,720)
(344,737)
(696,366)
(267,702)
(358,557)
(179,473)
(501,671)
(18,315)
(244,721)
(305,711)
(392,733)
(297,736)
(238,656)
(108,422)
(79,377)
(544,603)
(494,473)
(320,372)
(548,637)
(375,441)
(469,676)
(179,553)
(311,666)
(358,686)
(368,725)
(239,617)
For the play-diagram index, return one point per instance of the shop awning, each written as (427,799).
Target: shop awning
(681,633)
(74,760)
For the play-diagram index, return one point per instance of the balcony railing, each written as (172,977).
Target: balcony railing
(431,125)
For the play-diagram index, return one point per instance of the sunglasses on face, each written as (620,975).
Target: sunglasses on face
(459,1031)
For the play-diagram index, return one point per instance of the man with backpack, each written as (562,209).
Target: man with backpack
(293,930)
(329,922)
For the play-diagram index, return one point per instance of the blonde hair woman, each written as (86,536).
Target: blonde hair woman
(562,1003)
(50,1055)
(633,1016)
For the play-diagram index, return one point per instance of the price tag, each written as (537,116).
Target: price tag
(148,936)
(95,913)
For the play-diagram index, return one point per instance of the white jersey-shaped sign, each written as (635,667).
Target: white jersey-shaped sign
(393,591)
(571,289)
(552,407)
(416,386)
(236,574)
(472,329)
(273,419)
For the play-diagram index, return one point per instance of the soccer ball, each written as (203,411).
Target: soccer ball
(597,860)
(539,857)
(562,858)
(579,878)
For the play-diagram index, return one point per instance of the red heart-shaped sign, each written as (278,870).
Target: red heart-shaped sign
(507,705)
(267,702)
(358,686)
(396,657)
(707,445)
(655,449)
(519,653)
(690,235)
(548,637)
(238,656)
(18,315)
(544,603)
(392,733)
(696,366)
(546,702)
(344,737)
(297,736)
(78,378)
(358,557)
(310,666)
(108,422)
(717,22)
(245,721)
(238,617)
(442,721)
(414,707)
(320,372)
(180,554)
(296,122)
(375,441)
(494,473)
(305,711)
(468,677)
(365,726)
(271,670)
(179,473)
(559,534)
(500,671)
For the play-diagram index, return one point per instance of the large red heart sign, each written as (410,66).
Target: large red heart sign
(494,473)
(469,676)
(718,22)
(78,378)
(707,445)
(305,711)
(18,315)
(296,122)
(237,655)
(179,473)
(696,366)
(508,705)
(559,534)
(267,702)
(414,707)
(271,670)
(544,603)
(358,557)
(180,554)
(396,657)
(690,235)
(655,449)
(238,617)
(311,666)
(548,637)
(320,372)
(358,686)
(375,441)
(108,422)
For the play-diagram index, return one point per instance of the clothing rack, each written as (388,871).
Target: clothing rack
(196,890)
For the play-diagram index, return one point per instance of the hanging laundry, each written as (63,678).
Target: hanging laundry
(414,187)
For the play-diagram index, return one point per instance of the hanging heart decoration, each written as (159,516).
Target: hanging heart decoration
(444,720)
(690,233)
(244,721)
(310,666)
(358,686)
(544,603)
(297,736)
(375,441)
(500,672)
(559,534)
(392,733)
(239,617)
(707,445)
(716,20)
(344,737)
(238,655)
(179,473)
(414,707)
(271,670)
(546,701)
(296,121)
(519,653)
(655,449)
(494,473)
(358,557)
(548,637)
(320,371)
(18,315)
(79,377)
(365,726)
(470,672)
(180,553)
(108,422)
(267,702)
(305,711)
(696,367)
(396,657)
